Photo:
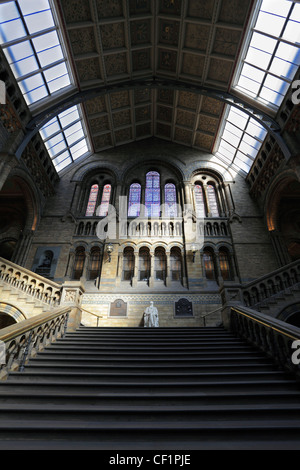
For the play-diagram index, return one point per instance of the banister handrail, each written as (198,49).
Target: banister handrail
(274,337)
(23,340)
(19,268)
(271,274)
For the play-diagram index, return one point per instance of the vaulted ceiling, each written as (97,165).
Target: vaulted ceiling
(190,41)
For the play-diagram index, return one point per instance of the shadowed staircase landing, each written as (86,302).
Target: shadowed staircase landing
(164,388)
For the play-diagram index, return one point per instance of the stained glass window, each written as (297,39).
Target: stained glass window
(92,201)
(170,200)
(175,264)
(103,210)
(94,263)
(212,200)
(209,266)
(128,264)
(224,265)
(160,264)
(199,201)
(134,202)
(152,194)
(144,264)
(78,263)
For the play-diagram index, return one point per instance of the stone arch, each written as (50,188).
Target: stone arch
(9,315)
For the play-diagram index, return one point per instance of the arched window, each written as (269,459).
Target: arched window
(209,266)
(175,264)
(199,201)
(170,200)
(144,264)
(128,264)
(224,265)
(91,205)
(160,264)
(103,209)
(152,194)
(212,200)
(134,202)
(94,268)
(78,263)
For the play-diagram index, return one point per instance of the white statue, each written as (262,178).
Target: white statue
(151,317)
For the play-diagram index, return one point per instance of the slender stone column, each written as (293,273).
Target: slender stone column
(7,163)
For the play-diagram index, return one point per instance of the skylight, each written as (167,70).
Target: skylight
(30,40)
(64,138)
(268,66)
(273,53)
(241,139)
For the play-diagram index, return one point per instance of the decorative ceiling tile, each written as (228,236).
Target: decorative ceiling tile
(165,96)
(142,113)
(115,64)
(96,105)
(171,7)
(140,32)
(143,130)
(204,141)
(109,9)
(82,40)
(141,60)
(185,118)
(219,70)
(167,60)
(207,124)
(233,11)
(142,95)
(99,124)
(193,64)
(169,32)
(203,9)
(211,106)
(187,99)
(183,135)
(88,69)
(226,41)
(123,135)
(138,7)
(112,35)
(196,36)
(102,141)
(164,113)
(119,99)
(76,11)
(122,118)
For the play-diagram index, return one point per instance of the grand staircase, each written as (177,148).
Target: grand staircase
(163,388)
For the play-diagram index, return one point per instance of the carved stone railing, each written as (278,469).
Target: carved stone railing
(156,227)
(30,283)
(272,286)
(24,340)
(277,339)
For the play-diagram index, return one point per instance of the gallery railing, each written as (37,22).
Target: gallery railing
(30,283)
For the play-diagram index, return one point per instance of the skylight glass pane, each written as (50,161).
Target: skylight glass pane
(35,20)
(12,30)
(270,24)
(292,32)
(280,8)
(51,128)
(36,94)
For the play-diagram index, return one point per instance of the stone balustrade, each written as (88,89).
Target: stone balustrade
(156,227)
(272,285)
(275,338)
(30,283)
(24,340)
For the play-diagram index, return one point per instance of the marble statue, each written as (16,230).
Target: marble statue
(151,317)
